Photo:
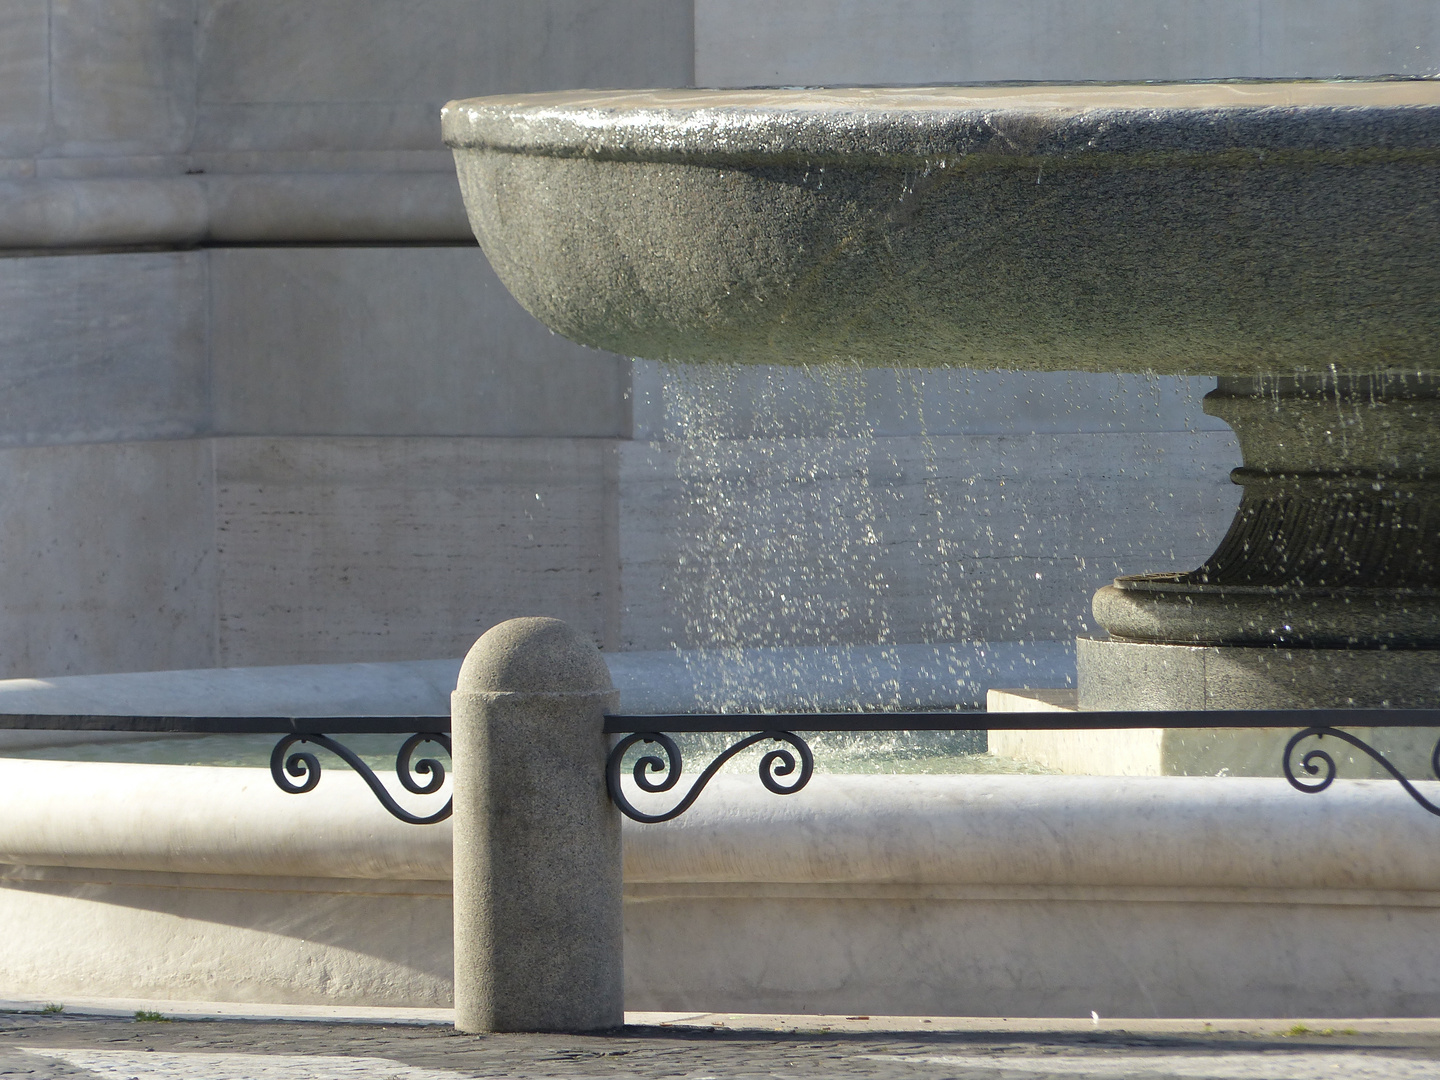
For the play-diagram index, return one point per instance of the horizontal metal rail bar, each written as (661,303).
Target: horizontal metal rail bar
(734,722)
(1021,721)
(229,725)
(294,767)
(783,770)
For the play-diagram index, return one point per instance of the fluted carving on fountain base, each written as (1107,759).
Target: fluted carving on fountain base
(1336,543)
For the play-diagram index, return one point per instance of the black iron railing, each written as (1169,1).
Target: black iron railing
(784,769)
(788,768)
(294,770)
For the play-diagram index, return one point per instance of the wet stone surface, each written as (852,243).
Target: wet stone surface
(84,1048)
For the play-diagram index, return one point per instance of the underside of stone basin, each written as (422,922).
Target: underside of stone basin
(1206,228)
(1278,235)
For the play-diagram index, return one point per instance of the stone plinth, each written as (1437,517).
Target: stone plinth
(1131,752)
(1326,589)
(1162,751)
(1141,675)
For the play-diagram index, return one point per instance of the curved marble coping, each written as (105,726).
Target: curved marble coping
(918,677)
(204,820)
(1192,832)
(910,832)
(851,123)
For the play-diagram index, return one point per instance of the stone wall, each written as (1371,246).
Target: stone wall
(819,42)
(264,401)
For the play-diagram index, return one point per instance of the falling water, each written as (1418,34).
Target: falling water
(856,538)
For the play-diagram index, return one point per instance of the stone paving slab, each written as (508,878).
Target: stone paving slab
(693,1046)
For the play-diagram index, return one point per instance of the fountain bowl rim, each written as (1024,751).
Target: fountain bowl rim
(851,123)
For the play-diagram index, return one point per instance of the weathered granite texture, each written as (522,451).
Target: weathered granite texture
(1232,228)
(538,887)
(1148,675)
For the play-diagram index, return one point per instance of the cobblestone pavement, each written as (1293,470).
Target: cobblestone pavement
(84,1048)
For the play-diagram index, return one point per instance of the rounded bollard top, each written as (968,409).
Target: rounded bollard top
(535,656)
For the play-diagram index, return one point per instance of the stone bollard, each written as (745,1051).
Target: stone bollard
(538,921)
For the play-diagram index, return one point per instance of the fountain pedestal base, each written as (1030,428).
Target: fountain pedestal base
(1137,675)
(1336,544)
(1326,590)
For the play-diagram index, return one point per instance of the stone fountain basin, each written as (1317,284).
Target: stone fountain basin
(1222,228)
(1178,896)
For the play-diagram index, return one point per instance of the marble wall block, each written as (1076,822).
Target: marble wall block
(103,347)
(372,74)
(1323,38)
(361,549)
(24,79)
(122,76)
(107,558)
(395,341)
(815,42)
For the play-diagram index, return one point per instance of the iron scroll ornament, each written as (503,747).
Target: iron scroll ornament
(648,728)
(773,764)
(305,767)
(1309,764)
